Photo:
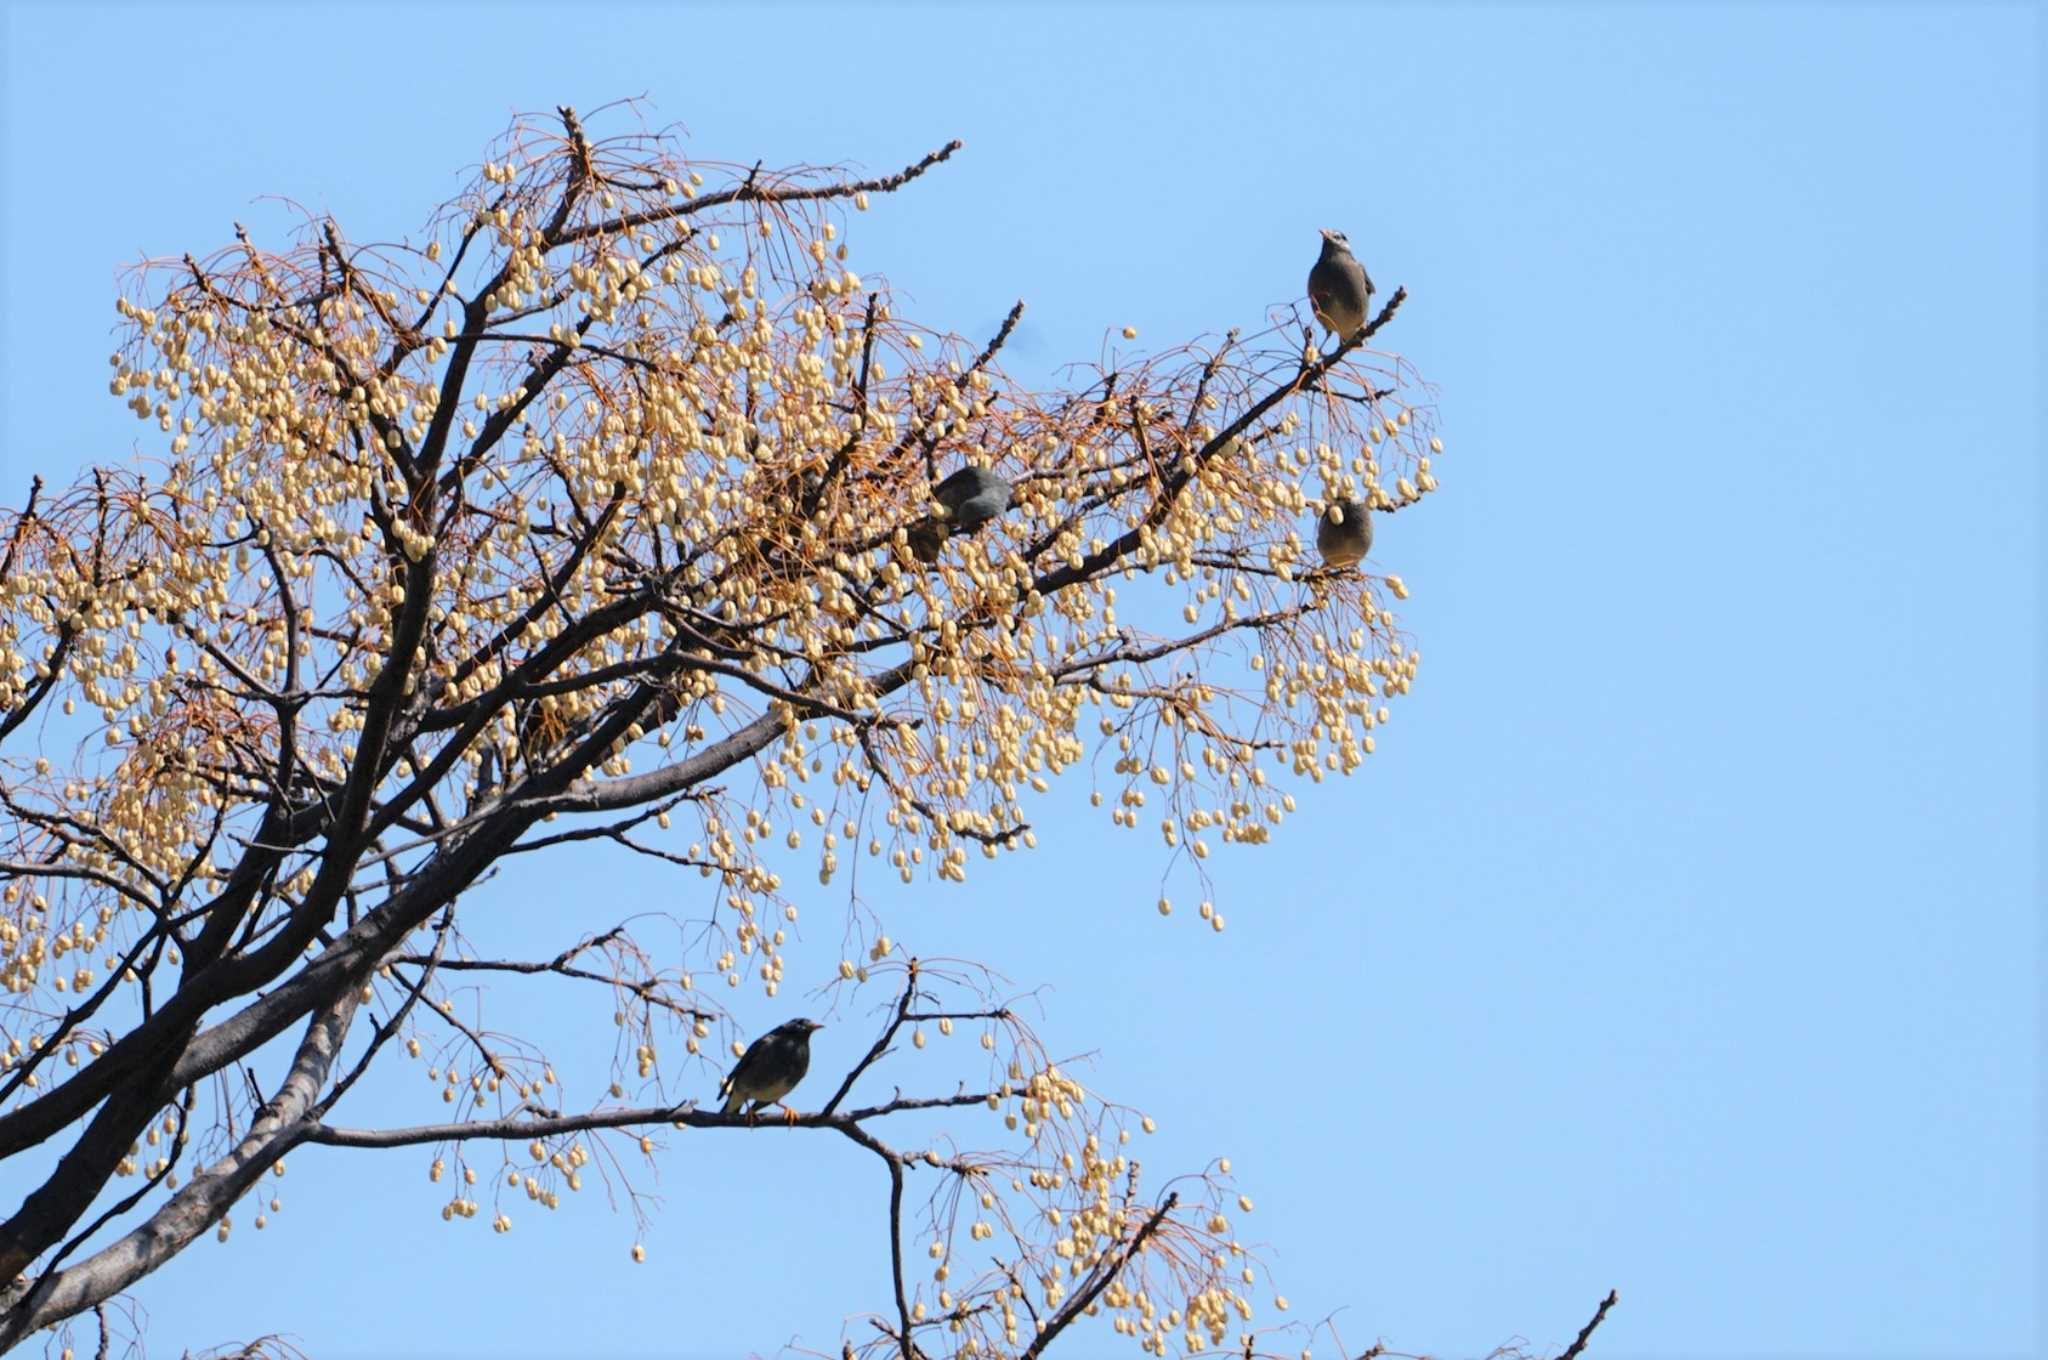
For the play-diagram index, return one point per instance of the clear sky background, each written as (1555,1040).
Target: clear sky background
(1681,937)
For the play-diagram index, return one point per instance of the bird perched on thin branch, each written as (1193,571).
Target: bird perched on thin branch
(1344,532)
(770,1068)
(927,539)
(972,496)
(1339,289)
(967,499)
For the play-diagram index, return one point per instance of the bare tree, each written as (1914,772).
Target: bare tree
(606,513)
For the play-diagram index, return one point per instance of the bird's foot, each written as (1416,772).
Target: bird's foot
(790,1116)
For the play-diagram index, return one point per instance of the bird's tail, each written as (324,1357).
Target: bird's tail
(733,1099)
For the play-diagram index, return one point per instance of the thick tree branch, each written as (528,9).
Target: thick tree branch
(283,1123)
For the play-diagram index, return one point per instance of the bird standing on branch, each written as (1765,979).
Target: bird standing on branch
(1344,532)
(928,539)
(1339,289)
(770,1068)
(967,500)
(972,496)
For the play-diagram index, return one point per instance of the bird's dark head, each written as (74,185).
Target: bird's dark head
(1334,240)
(797,1029)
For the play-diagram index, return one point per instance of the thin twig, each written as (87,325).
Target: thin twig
(1079,1303)
(1571,1352)
(881,1044)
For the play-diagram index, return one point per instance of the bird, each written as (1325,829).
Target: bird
(927,539)
(1344,532)
(967,499)
(972,497)
(1339,289)
(770,1068)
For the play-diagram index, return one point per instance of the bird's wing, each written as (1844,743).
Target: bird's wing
(957,487)
(1322,290)
(746,1066)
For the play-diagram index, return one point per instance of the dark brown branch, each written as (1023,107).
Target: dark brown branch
(687,1115)
(47,1213)
(279,1127)
(939,821)
(65,632)
(919,1017)
(617,615)
(41,690)
(65,1028)
(928,440)
(1572,1351)
(149,1183)
(28,514)
(1386,313)
(906,1347)
(647,989)
(881,1044)
(384,1032)
(1182,474)
(1079,1303)
(747,192)
(1209,368)
(582,347)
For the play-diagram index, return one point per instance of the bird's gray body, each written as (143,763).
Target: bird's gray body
(972,496)
(770,1068)
(1339,289)
(1345,540)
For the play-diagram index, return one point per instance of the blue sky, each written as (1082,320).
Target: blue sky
(1681,937)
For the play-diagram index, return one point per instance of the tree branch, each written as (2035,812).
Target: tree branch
(284,1122)
(686,1115)
(1572,1351)
(748,193)
(881,1044)
(1100,1281)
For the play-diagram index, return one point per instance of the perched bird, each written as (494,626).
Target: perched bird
(1344,532)
(1339,289)
(770,1068)
(927,539)
(967,500)
(972,496)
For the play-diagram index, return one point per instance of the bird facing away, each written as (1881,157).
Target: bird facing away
(1344,532)
(928,539)
(770,1068)
(972,496)
(1339,289)
(967,500)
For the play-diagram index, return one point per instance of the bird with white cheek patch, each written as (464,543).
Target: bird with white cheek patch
(1339,289)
